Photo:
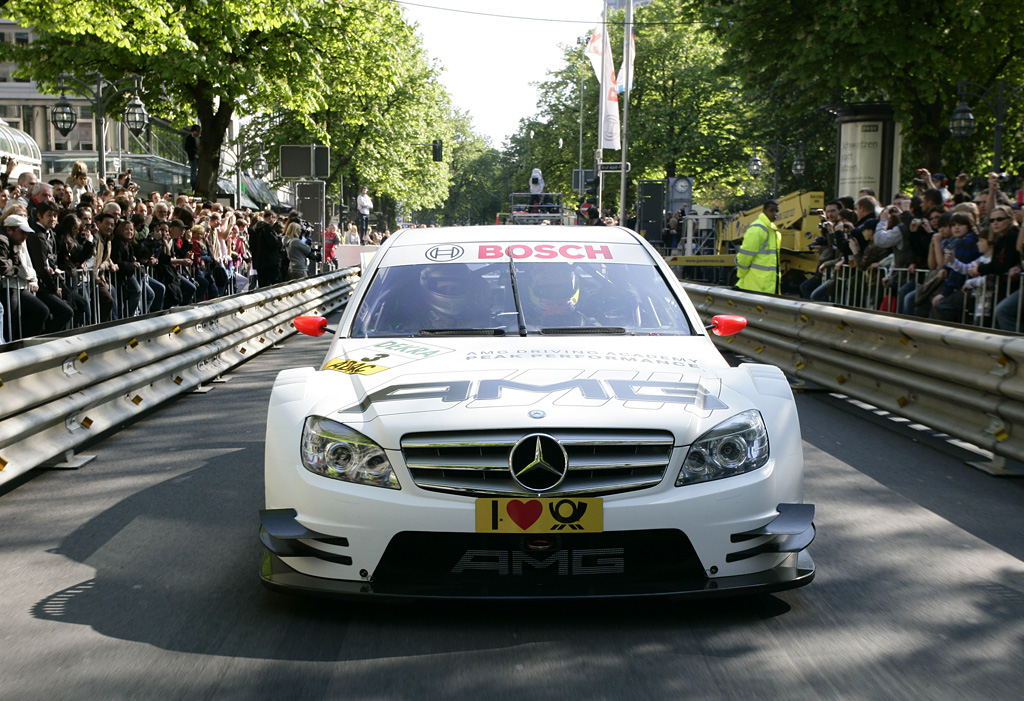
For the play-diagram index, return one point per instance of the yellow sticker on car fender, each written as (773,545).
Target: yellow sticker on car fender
(353,367)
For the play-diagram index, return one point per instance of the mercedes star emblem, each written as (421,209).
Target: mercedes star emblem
(538,462)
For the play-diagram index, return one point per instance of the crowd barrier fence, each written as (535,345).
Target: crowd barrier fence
(964,382)
(57,394)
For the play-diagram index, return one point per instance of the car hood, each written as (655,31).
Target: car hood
(391,387)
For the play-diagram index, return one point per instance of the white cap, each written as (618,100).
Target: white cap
(18,221)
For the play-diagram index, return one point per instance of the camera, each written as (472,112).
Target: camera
(919,182)
(316,255)
(3,160)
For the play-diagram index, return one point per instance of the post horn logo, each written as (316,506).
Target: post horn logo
(538,462)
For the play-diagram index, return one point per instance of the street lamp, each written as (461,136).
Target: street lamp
(775,153)
(259,166)
(63,116)
(962,123)
(100,92)
(135,115)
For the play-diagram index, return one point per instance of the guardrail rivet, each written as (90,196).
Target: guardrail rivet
(178,380)
(710,299)
(133,343)
(242,350)
(760,308)
(1003,360)
(1001,435)
(83,357)
(261,304)
(729,340)
(86,422)
(803,318)
(1,383)
(137,399)
(759,349)
(800,366)
(904,339)
(841,379)
(731,303)
(842,325)
(263,340)
(902,401)
(3,464)
(176,330)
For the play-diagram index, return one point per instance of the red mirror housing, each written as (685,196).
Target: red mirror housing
(311,325)
(727,324)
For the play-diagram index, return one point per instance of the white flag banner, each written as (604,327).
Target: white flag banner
(626,70)
(594,49)
(599,51)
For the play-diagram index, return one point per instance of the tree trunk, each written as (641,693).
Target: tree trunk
(214,125)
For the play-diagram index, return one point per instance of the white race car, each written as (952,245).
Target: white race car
(530,412)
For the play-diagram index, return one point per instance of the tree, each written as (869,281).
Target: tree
(213,60)
(383,106)
(831,52)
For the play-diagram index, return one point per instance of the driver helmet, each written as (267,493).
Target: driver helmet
(553,289)
(450,290)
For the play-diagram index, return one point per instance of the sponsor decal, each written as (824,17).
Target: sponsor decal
(443,254)
(353,367)
(415,350)
(585,561)
(576,353)
(624,390)
(546,251)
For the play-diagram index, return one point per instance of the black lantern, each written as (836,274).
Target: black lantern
(799,166)
(63,116)
(755,166)
(259,166)
(135,116)
(962,123)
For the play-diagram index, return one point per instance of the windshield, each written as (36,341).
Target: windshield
(563,298)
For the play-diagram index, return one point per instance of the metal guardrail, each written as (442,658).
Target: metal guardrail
(964,382)
(56,395)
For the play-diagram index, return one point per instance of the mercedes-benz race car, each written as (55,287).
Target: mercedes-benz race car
(530,412)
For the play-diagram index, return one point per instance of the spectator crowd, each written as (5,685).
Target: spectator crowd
(950,255)
(72,254)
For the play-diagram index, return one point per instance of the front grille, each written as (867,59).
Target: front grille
(476,463)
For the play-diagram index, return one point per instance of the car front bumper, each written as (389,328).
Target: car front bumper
(635,563)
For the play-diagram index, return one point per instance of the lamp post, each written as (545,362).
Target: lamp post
(962,122)
(756,166)
(100,92)
(258,168)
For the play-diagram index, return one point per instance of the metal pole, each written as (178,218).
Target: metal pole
(101,140)
(582,185)
(627,31)
(1000,113)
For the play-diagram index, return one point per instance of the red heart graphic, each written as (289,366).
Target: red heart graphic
(524,514)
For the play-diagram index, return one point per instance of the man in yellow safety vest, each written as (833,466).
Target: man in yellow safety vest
(757,260)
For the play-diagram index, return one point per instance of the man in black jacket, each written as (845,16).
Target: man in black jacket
(42,249)
(265,246)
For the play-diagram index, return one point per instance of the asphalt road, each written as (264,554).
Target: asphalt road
(135,577)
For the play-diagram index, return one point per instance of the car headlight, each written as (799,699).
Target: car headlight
(735,446)
(331,449)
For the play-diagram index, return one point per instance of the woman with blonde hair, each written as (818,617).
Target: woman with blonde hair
(78,182)
(298,252)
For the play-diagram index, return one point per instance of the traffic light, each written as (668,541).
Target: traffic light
(590,186)
(438,147)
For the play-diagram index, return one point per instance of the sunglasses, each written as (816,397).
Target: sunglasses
(999,219)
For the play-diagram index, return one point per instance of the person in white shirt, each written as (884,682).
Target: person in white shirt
(364,205)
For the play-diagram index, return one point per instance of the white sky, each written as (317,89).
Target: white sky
(489,62)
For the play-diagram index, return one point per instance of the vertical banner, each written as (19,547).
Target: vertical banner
(599,51)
